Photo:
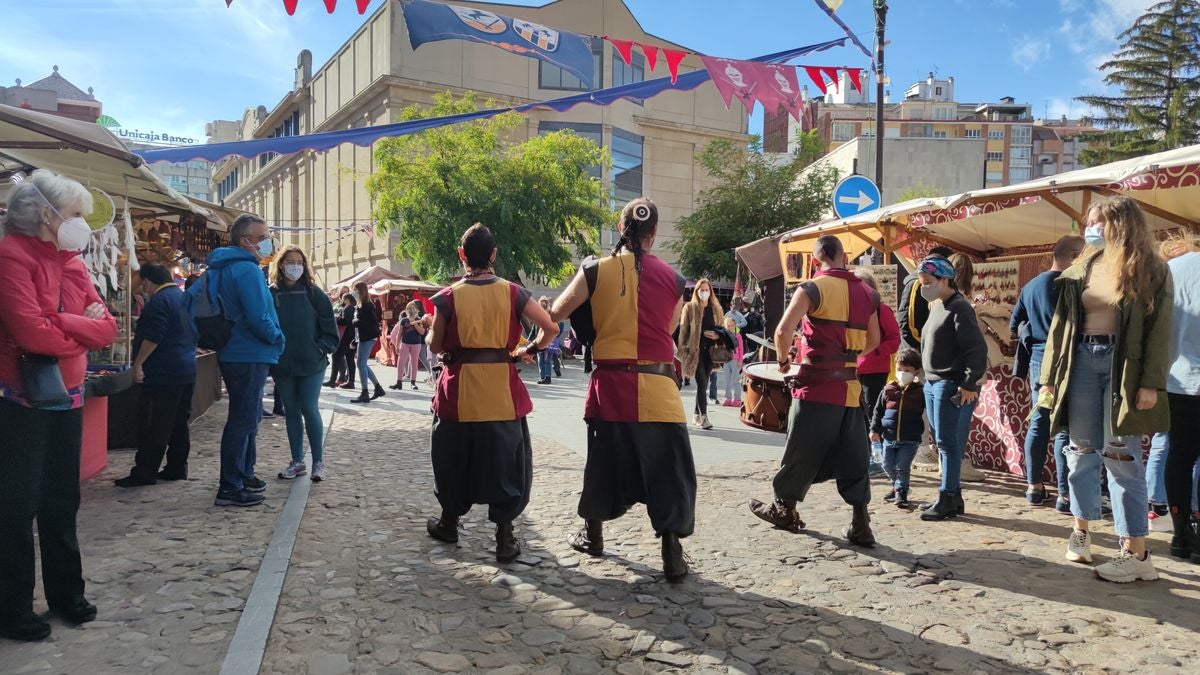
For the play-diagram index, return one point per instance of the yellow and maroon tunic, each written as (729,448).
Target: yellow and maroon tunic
(632,328)
(481,315)
(832,336)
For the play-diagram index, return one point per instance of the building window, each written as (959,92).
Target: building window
(551,76)
(626,166)
(971,133)
(937,91)
(920,130)
(1022,134)
(867,132)
(1018,174)
(995,157)
(590,131)
(939,134)
(996,134)
(1020,153)
(995,177)
(843,131)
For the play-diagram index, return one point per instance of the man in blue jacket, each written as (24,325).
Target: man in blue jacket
(254,346)
(165,366)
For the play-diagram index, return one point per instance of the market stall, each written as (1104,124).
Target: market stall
(394,295)
(125,192)
(1008,231)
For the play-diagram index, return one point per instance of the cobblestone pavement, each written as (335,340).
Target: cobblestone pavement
(168,571)
(369,592)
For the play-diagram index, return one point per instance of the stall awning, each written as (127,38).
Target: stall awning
(1034,213)
(88,153)
(384,286)
(369,276)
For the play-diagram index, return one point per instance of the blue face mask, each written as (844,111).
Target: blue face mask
(1094,236)
(265,248)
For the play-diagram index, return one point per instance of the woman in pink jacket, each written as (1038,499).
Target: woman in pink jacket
(874,367)
(50,317)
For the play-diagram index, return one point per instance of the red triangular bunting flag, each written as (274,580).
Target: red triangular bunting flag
(362,5)
(624,48)
(651,53)
(855,75)
(814,73)
(330,5)
(673,58)
(833,75)
(740,78)
(784,86)
(290,6)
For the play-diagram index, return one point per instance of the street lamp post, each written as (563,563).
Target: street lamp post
(881,9)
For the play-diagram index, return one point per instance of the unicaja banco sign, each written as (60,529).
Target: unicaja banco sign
(139,136)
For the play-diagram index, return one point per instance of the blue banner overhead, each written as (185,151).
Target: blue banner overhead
(364,136)
(432,21)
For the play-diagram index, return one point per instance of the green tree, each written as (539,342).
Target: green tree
(1157,70)
(755,196)
(918,191)
(536,196)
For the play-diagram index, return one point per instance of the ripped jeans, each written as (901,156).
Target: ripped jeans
(1089,410)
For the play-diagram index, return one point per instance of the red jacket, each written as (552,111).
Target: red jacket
(880,360)
(33,273)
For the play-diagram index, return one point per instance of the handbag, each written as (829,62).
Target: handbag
(43,380)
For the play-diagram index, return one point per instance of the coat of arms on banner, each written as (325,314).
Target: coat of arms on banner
(545,38)
(484,22)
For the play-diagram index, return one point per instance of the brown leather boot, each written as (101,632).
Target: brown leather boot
(859,532)
(589,539)
(779,513)
(674,566)
(507,548)
(444,528)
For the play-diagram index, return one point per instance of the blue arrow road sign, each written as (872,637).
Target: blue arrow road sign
(854,195)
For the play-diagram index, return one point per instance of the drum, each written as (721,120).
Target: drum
(765,397)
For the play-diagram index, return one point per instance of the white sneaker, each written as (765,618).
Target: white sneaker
(1126,568)
(1079,547)
(293,470)
(318,473)
(1161,523)
(696,420)
(704,423)
(969,474)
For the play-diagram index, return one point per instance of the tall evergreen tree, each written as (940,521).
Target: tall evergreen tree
(1157,69)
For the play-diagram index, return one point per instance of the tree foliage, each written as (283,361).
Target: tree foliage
(918,191)
(536,196)
(1157,69)
(755,196)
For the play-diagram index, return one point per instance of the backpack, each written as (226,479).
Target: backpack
(213,328)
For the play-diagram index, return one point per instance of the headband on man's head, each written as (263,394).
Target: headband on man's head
(937,267)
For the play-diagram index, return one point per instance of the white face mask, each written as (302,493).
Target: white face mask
(74,235)
(703,295)
(293,271)
(931,292)
(905,377)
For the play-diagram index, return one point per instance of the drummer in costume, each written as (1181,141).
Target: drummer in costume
(826,433)
(481,448)
(638,446)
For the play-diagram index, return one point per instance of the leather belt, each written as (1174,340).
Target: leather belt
(812,377)
(663,369)
(1098,339)
(461,356)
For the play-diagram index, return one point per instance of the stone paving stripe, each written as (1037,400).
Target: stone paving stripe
(249,644)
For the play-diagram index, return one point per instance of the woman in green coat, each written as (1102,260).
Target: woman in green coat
(310,336)
(1108,353)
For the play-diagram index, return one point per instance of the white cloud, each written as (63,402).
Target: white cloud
(1028,51)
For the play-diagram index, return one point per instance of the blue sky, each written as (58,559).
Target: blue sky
(172,65)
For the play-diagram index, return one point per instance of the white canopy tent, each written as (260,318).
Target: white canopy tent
(384,286)
(1035,213)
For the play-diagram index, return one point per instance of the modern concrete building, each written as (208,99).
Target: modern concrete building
(1057,144)
(55,95)
(376,74)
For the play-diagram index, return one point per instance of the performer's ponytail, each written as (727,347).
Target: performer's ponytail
(639,219)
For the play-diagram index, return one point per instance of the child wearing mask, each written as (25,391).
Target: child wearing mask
(897,421)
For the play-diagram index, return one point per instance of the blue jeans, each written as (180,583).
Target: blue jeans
(545,365)
(300,396)
(1038,435)
(245,383)
(897,462)
(1089,412)
(364,369)
(950,424)
(1156,469)
(733,389)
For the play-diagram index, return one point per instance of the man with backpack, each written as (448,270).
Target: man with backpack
(244,329)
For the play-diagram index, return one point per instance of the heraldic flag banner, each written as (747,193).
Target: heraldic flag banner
(433,21)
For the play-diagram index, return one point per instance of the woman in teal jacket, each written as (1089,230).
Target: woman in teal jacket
(306,317)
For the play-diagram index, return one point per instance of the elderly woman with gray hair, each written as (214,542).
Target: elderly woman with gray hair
(50,316)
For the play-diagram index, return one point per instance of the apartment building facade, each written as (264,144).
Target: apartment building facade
(322,198)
